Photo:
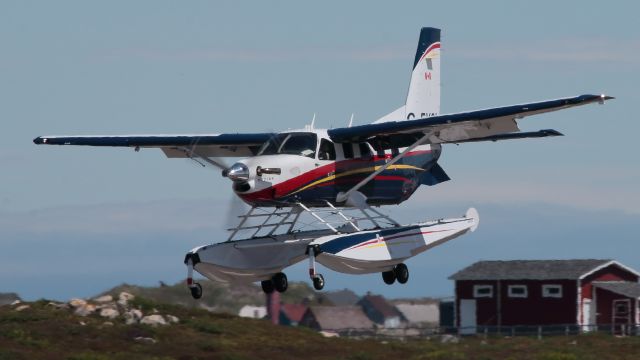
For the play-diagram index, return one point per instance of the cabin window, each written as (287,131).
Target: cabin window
(518,291)
(291,143)
(552,291)
(365,150)
(347,149)
(327,150)
(480,291)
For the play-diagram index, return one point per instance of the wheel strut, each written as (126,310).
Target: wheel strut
(194,287)
(316,279)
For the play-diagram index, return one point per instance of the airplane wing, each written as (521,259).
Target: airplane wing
(173,146)
(480,125)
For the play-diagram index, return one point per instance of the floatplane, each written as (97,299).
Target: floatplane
(338,178)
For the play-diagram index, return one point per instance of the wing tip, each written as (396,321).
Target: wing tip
(551,132)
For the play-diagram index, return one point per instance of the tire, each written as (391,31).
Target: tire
(318,282)
(389,277)
(196,291)
(267,286)
(402,273)
(280,282)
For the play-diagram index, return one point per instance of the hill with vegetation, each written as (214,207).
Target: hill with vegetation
(220,297)
(46,330)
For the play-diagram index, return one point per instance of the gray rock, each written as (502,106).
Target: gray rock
(85,310)
(447,338)
(22,307)
(153,320)
(76,303)
(58,305)
(110,313)
(124,298)
(132,316)
(172,319)
(103,299)
(145,340)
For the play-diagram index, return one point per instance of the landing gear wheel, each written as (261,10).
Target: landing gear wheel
(402,273)
(389,277)
(280,282)
(318,282)
(196,291)
(267,286)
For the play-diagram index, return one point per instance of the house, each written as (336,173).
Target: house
(291,314)
(419,312)
(344,297)
(380,311)
(577,293)
(8,298)
(255,312)
(336,318)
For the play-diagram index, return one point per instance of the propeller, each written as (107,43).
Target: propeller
(235,208)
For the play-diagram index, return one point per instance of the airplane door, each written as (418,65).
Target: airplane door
(467,316)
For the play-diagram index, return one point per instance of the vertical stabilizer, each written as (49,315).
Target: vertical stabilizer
(423,98)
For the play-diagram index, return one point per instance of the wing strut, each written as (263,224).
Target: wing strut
(190,154)
(343,196)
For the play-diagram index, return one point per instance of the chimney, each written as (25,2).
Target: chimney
(273,307)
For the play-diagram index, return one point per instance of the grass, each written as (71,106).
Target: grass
(42,332)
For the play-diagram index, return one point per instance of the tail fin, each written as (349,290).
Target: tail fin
(423,98)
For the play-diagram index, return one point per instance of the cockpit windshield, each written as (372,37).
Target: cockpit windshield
(303,144)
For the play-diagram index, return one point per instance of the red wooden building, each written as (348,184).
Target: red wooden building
(576,293)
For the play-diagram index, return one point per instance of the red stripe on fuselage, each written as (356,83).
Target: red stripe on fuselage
(288,186)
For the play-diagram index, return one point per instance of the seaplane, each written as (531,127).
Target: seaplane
(316,194)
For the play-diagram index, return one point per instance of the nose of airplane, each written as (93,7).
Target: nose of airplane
(238,172)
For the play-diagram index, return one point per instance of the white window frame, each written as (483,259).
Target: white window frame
(547,294)
(478,288)
(511,294)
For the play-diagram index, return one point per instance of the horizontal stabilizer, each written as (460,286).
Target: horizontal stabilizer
(434,176)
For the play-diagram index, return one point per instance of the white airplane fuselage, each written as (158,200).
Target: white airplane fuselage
(316,170)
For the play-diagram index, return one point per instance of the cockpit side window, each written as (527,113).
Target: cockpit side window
(347,150)
(303,144)
(327,150)
(300,144)
(365,150)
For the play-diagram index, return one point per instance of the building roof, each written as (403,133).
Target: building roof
(342,297)
(340,317)
(529,269)
(380,304)
(420,313)
(294,312)
(626,288)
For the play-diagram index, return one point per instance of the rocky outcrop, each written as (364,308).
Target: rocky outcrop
(112,310)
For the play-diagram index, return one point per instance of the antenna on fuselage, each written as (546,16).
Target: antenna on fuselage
(351,120)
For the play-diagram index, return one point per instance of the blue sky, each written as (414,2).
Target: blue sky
(164,67)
